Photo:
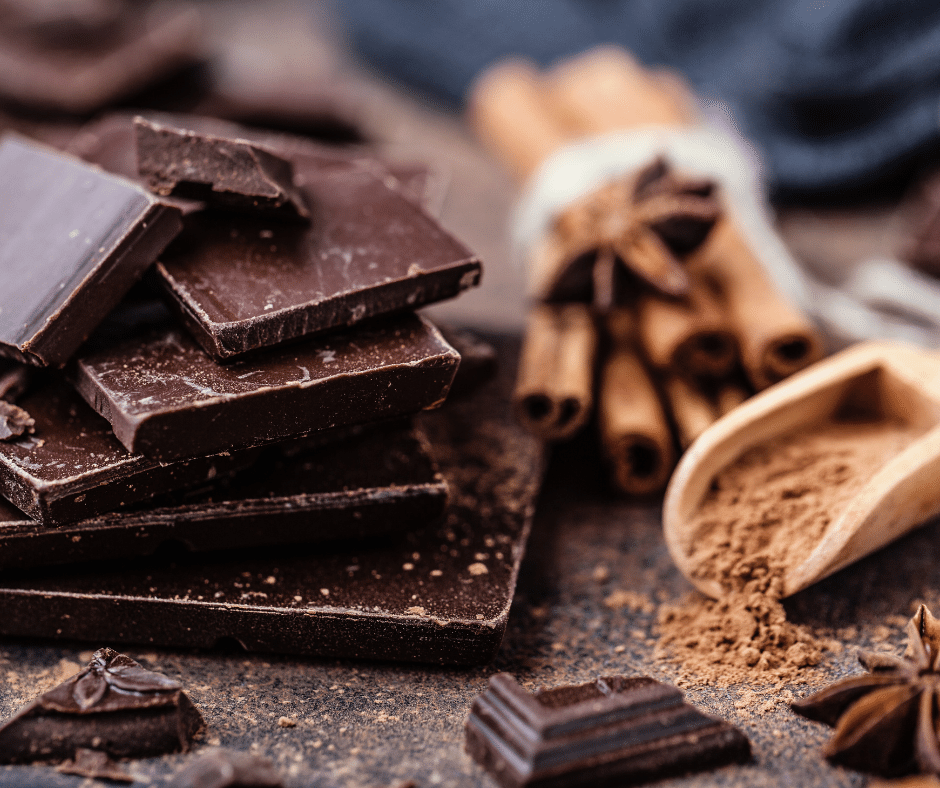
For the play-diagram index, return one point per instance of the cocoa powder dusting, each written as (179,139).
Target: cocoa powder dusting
(764,514)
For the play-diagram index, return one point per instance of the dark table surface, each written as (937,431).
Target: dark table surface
(377,724)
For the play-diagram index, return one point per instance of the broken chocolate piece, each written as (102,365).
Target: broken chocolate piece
(14,421)
(74,467)
(227,769)
(167,399)
(245,283)
(73,240)
(376,481)
(383,601)
(114,705)
(84,75)
(610,731)
(233,173)
(94,764)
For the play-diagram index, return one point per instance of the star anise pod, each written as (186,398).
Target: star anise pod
(887,721)
(643,223)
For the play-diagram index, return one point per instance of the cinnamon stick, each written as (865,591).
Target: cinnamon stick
(692,410)
(554,389)
(506,108)
(605,90)
(687,337)
(776,339)
(635,435)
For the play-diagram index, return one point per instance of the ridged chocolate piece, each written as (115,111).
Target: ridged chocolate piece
(231,173)
(165,398)
(369,484)
(73,240)
(114,705)
(242,283)
(72,467)
(612,731)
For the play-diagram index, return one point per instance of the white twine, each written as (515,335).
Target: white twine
(882,299)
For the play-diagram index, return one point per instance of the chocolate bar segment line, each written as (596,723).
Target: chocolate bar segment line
(167,399)
(607,732)
(243,284)
(73,240)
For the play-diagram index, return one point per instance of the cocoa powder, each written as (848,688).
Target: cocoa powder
(764,514)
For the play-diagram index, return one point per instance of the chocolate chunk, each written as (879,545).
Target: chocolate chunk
(73,240)
(401,599)
(84,75)
(233,173)
(74,467)
(378,481)
(14,421)
(247,283)
(611,731)
(94,764)
(227,769)
(167,399)
(114,705)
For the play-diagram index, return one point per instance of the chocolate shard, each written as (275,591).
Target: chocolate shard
(221,768)
(611,731)
(167,399)
(248,283)
(73,240)
(94,764)
(142,48)
(73,467)
(14,421)
(114,705)
(376,481)
(231,173)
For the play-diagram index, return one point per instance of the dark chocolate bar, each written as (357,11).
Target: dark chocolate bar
(375,481)
(245,283)
(72,467)
(440,593)
(73,240)
(220,768)
(613,731)
(167,399)
(114,705)
(229,172)
(84,75)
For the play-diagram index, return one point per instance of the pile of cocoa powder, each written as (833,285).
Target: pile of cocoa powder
(764,514)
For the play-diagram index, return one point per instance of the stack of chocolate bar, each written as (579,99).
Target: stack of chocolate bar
(266,398)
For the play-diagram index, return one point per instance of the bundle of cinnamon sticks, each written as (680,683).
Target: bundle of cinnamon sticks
(652,311)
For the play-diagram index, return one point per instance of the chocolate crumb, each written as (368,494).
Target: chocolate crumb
(14,421)
(227,769)
(94,764)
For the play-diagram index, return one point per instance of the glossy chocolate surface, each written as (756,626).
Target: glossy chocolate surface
(73,240)
(72,467)
(372,482)
(245,283)
(437,594)
(85,73)
(224,171)
(165,398)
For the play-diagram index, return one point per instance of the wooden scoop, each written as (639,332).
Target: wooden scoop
(882,379)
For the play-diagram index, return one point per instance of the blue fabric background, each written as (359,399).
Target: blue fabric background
(836,93)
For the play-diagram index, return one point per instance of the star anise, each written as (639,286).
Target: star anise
(643,223)
(887,721)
